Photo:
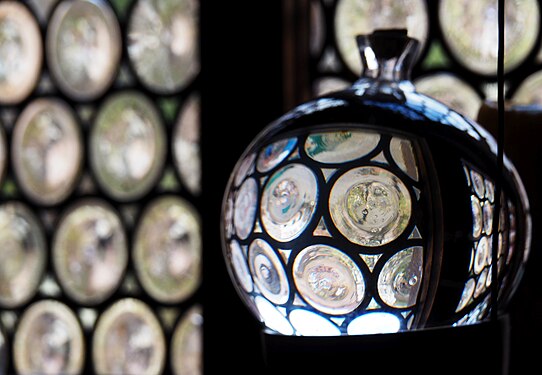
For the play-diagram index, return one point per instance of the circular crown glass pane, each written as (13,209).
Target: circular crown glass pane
(83,47)
(288,202)
(21,52)
(49,340)
(240,268)
(370,206)
(400,278)
(307,323)
(470,30)
(90,252)
(186,149)
(375,323)
(452,91)
(328,279)
(477,221)
(47,150)
(268,272)
(244,211)
(272,318)
(187,344)
(530,90)
(167,249)
(340,146)
(128,339)
(163,43)
(245,168)
(273,154)
(127,146)
(23,254)
(354,17)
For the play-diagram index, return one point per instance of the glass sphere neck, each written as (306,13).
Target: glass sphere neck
(387,55)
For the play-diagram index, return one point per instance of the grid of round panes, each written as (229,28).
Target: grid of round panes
(99,187)
(474,304)
(458,62)
(326,239)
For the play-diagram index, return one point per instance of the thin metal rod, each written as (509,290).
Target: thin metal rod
(500,160)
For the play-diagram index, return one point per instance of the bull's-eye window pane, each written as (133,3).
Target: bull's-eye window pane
(530,90)
(187,344)
(470,30)
(127,146)
(128,339)
(163,43)
(45,133)
(83,47)
(90,252)
(21,52)
(355,17)
(452,91)
(167,249)
(23,254)
(186,150)
(49,340)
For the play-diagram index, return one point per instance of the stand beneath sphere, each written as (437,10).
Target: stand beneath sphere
(473,349)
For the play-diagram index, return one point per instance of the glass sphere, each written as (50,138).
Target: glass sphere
(49,340)
(373,210)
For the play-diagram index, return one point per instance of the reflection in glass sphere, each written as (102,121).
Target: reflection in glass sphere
(354,17)
(127,146)
(128,339)
(470,30)
(370,206)
(374,323)
(452,91)
(239,265)
(187,344)
(289,201)
(49,340)
(340,147)
(45,134)
(268,271)
(401,277)
(90,252)
(186,149)
(22,254)
(328,279)
(83,52)
(163,42)
(274,154)
(167,249)
(244,209)
(21,52)
(307,323)
(530,90)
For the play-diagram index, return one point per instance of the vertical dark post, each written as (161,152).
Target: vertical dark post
(500,158)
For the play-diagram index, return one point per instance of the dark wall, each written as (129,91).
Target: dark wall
(241,93)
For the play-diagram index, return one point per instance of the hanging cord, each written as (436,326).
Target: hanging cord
(500,163)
